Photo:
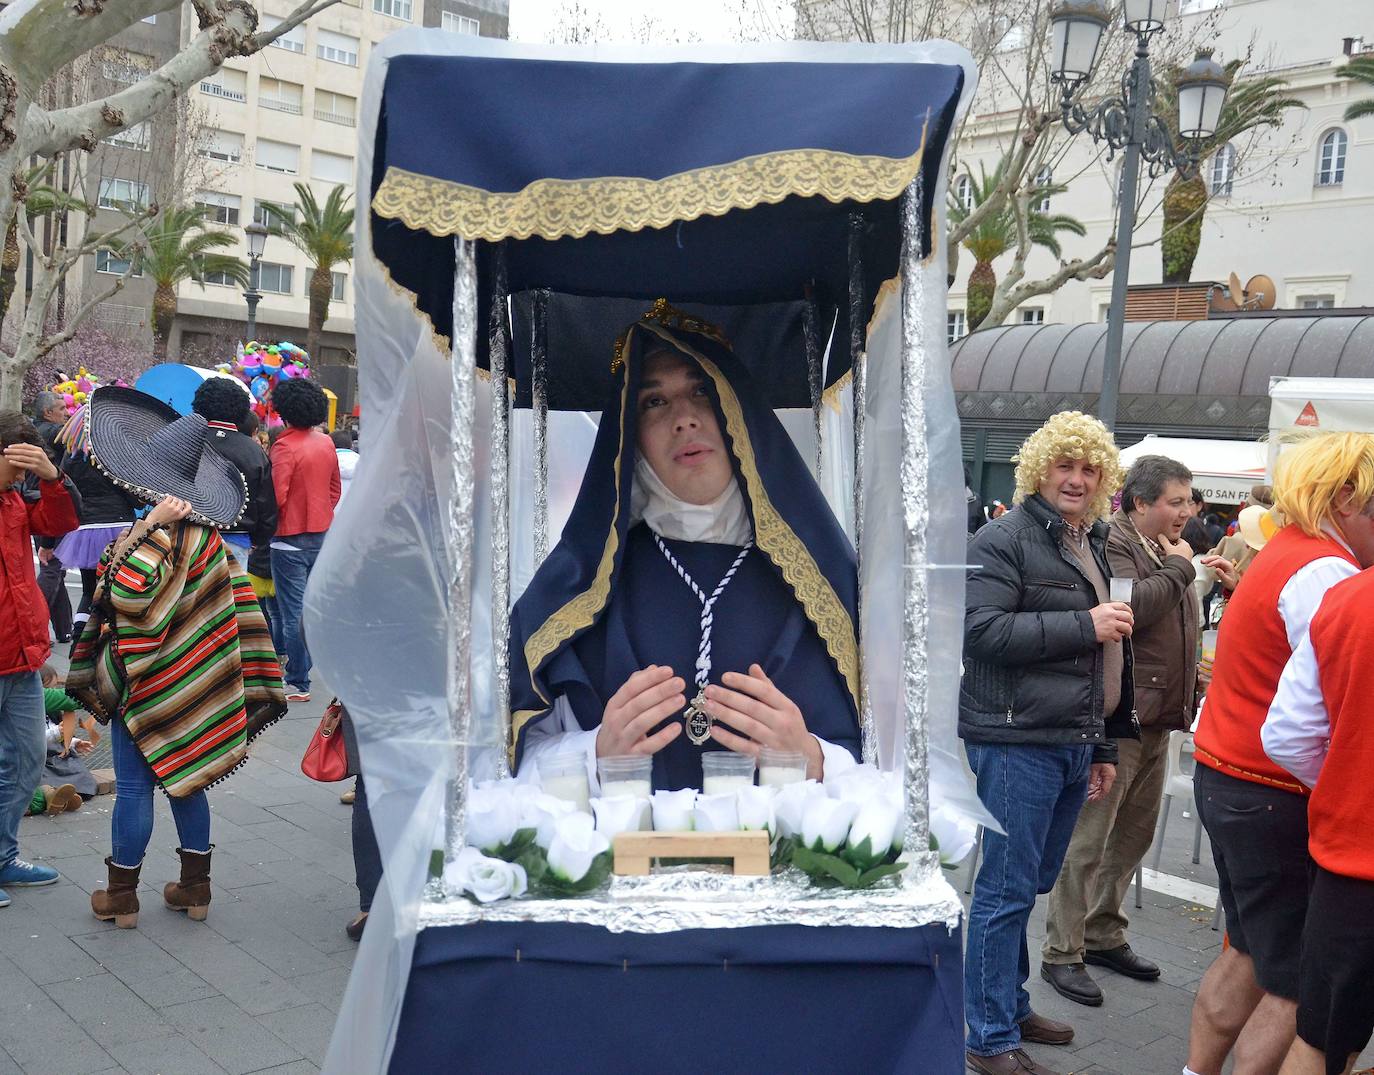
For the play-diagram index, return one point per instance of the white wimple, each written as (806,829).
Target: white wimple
(708,604)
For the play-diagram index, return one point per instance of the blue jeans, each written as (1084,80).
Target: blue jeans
(290,573)
(131,822)
(367,856)
(22,750)
(1035,793)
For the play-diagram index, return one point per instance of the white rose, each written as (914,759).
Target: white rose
(717,813)
(755,805)
(621,813)
(541,811)
(825,823)
(955,833)
(493,817)
(791,801)
(486,879)
(673,810)
(857,783)
(574,847)
(877,821)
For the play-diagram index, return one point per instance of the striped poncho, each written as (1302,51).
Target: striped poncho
(179,650)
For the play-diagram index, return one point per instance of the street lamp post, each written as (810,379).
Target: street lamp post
(1127,124)
(257,242)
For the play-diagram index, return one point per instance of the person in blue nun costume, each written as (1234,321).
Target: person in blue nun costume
(701,567)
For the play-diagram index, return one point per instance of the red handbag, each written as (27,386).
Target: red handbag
(325,759)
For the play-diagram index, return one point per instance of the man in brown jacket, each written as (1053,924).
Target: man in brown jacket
(1085,923)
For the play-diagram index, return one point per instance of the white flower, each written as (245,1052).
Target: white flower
(858,783)
(755,806)
(493,816)
(791,801)
(954,832)
(621,813)
(574,847)
(541,811)
(717,813)
(825,823)
(673,810)
(877,821)
(486,879)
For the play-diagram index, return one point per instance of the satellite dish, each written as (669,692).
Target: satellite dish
(1237,295)
(1260,293)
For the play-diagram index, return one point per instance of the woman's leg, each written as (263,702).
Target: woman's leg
(367,856)
(192,817)
(131,821)
(88,580)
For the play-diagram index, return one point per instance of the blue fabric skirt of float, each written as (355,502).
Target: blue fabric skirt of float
(543,996)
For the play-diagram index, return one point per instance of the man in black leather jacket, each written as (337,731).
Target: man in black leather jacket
(223,403)
(1047,687)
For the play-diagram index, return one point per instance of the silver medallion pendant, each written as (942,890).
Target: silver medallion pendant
(697,720)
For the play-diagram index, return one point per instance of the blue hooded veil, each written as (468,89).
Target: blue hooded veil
(606,603)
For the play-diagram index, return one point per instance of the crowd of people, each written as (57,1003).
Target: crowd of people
(1083,657)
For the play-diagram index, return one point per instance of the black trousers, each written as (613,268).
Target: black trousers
(52,581)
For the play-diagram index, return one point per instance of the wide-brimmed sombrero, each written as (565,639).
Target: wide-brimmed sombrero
(146,447)
(1257,525)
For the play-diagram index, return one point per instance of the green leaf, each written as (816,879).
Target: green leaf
(819,865)
(512,851)
(436,862)
(535,863)
(554,886)
(871,877)
(781,854)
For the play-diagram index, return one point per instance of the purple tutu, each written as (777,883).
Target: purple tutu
(83,548)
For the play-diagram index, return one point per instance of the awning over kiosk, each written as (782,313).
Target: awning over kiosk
(1224,471)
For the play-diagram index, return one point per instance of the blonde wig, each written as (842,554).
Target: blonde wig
(1311,476)
(1070,435)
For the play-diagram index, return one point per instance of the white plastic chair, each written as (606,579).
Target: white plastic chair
(1179,784)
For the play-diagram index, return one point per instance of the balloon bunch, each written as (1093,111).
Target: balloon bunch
(262,367)
(76,390)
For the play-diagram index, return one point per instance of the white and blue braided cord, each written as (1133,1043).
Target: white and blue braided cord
(708,604)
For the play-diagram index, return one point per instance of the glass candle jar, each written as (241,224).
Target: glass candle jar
(629,776)
(779,767)
(564,776)
(722,771)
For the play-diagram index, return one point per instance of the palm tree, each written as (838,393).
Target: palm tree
(324,234)
(1251,104)
(178,245)
(1361,69)
(996,233)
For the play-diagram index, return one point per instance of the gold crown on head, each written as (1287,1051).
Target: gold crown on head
(665,313)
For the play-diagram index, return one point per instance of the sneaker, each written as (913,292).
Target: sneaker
(296,695)
(23,874)
(4,898)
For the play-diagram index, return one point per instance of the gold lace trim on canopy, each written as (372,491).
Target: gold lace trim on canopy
(562,208)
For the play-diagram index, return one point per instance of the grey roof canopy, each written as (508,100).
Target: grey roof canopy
(1175,375)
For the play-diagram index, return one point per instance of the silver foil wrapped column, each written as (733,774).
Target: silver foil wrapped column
(460,534)
(814,375)
(915,512)
(858,373)
(498,350)
(539,405)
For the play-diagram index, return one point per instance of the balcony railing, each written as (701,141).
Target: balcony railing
(278,104)
(335,117)
(214,89)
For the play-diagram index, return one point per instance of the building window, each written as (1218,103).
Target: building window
(1331,162)
(459,24)
(963,192)
(1192,7)
(277,157)
(108,261)
(219,208)
(122,194)
(1223,171)
(223,146)
(956,325)
(336,108)
(396,9)
(226,84)
(1033,315)
(331,167)
(340,285)
(220,279)
(1008,35)
(269,214)
(274,278)
(1043,178)
(136,137)
(292,41)
(337,48)
(1316,302)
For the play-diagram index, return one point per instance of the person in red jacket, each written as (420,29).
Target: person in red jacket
(1255,812)
(305,474)
(24,644)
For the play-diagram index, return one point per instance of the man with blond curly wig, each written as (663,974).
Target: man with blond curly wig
(1046,692)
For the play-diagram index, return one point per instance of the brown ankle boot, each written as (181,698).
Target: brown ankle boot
(118,902)
(192,893)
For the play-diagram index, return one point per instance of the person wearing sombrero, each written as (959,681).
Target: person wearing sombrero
(176,656)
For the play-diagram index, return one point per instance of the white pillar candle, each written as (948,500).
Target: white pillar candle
(570,787)
(725,785)
(778,775)
(631,789)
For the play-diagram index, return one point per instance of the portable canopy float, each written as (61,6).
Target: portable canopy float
(1224,471)
(790,193)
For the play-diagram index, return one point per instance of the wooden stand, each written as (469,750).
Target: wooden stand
(747,850)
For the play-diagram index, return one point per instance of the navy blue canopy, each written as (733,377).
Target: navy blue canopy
(722,184)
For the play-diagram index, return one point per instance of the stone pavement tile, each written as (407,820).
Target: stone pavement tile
(230,871)
(7,1064)
(306,1029)
(107,1009)
(138,962)
(234,973)
(1158,1058)
(313,884)
(252,849)
(45,842)
(41,950)
(300,1067)
(325,987)
(174,1054)
(227,1034)
(271,942)
(322,926)
(240,810)
(273,829)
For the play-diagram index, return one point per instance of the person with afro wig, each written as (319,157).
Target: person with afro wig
(224,404)
(1046,692)
(305,474)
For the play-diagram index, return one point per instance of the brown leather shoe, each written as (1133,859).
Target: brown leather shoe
(118,902)
(1044,1031)
(192,893)
(1016,1062)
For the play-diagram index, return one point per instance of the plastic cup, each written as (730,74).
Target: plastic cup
(779,767)
(1209,644)
(564,776)
(630,776)
(722,771)
(1120,589)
